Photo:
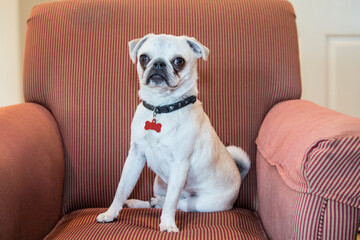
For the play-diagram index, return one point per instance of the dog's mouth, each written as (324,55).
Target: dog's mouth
(156,78)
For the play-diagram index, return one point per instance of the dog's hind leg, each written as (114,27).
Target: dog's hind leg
(205,203)
(157,202)
(160,187)
(194,204)
(159,190)
(134,203)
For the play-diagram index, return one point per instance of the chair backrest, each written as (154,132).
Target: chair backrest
(77,65)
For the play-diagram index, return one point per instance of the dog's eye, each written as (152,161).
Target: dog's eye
(179,62)
(144,59)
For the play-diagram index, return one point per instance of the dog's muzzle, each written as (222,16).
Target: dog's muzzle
(158,73)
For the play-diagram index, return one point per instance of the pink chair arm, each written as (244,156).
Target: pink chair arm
(308,160)
(31,172)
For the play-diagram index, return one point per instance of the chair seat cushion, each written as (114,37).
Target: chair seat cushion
(144,224)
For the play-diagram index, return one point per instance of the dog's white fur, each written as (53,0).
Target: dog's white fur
(194,170)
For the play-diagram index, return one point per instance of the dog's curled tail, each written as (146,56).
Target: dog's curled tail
(242,160)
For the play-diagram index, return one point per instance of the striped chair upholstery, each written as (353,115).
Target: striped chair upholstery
(77,66)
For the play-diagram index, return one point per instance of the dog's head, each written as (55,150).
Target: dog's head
(166,63)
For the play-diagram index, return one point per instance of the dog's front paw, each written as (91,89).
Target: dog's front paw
(106,217)
(164,227)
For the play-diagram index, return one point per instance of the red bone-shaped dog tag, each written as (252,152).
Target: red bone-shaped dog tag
(153,125)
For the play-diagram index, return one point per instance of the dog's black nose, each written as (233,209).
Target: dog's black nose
(159,65)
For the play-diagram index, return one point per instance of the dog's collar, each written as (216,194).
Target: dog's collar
(171,107)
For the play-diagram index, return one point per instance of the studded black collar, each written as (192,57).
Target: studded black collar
(171,107)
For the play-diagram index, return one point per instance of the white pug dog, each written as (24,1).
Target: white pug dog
(170,132)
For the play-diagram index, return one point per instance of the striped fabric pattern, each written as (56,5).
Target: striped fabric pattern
(321,218)
(144,224)
(307,218)
(340,221)
(332,170)
(77,65)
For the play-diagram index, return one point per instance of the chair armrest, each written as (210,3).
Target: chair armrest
(31,172)
(305,149)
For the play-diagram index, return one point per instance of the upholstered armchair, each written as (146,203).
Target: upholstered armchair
(62,152)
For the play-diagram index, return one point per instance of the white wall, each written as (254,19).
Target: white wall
(10,74)
(329,37)
(13,16)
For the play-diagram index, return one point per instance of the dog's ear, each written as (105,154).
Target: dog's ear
(199,49)
(135,45)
